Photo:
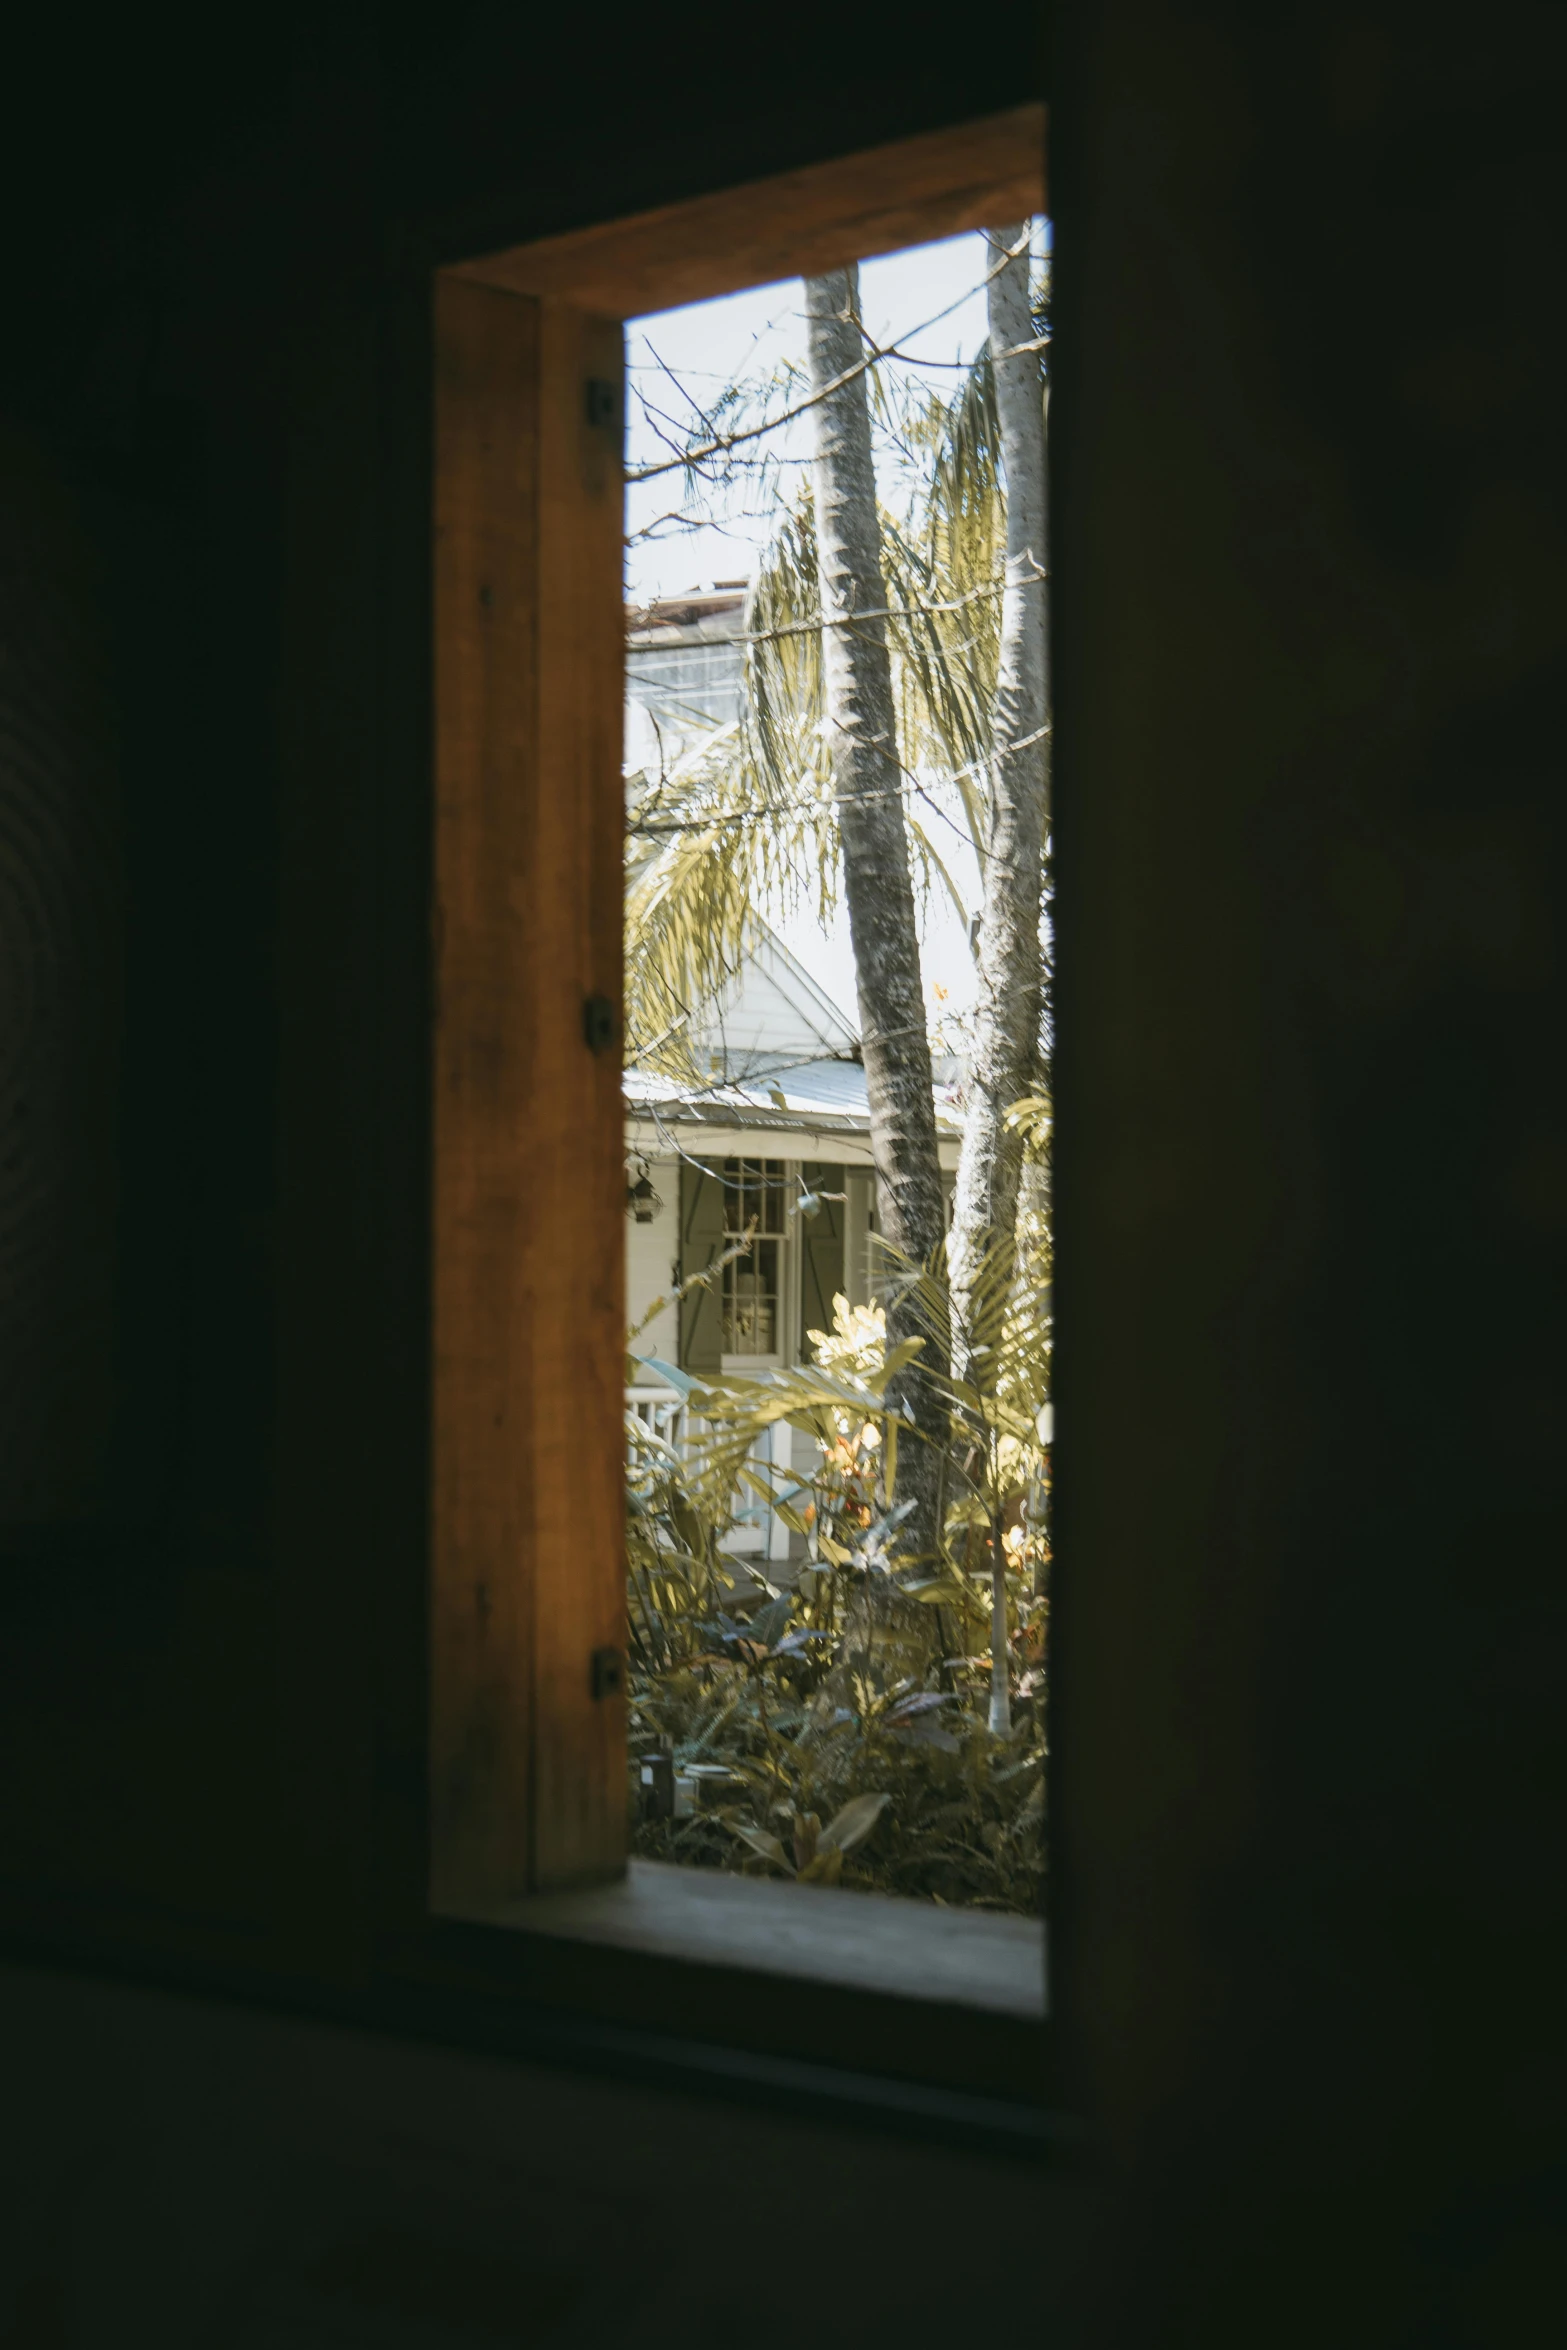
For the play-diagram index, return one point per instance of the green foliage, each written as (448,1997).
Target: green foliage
(857,1697)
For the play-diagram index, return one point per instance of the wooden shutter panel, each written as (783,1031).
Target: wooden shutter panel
(701,1244)
(821,1251)
(528,1764)
(860,1281)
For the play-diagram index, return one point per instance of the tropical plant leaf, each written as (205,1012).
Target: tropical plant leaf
(770,1622)
(764,1842)
(854,1823)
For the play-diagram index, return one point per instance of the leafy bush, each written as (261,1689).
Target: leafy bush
(851,1720)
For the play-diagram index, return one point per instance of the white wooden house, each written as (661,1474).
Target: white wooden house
(779,1132)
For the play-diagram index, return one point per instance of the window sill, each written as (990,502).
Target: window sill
(860,1941)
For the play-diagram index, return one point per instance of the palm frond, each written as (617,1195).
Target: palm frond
(748,818)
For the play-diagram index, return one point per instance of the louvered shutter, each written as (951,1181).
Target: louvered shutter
(821,1251)
(701,1244)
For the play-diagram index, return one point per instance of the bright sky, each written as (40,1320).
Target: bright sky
(711,344)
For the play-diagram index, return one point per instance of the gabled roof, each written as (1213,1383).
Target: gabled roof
(773,1012)
(781,1054)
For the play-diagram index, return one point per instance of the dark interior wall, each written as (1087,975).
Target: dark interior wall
(1311,547)
(215,372)
(178,2175)
(1312,621)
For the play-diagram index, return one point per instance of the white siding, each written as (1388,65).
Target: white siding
(651,1254)
(775,1011)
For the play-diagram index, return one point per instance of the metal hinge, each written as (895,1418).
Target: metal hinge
(603,403)
(598,1023)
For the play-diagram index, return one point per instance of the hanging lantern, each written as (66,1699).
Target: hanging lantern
(642,1201)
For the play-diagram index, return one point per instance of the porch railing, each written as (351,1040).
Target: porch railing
(663,1414)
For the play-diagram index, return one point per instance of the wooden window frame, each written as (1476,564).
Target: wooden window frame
(527,1762)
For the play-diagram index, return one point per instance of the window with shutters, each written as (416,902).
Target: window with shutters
(770,1300)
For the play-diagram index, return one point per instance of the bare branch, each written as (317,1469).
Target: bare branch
(722,443)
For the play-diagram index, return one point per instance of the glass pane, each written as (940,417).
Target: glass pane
(751,1301)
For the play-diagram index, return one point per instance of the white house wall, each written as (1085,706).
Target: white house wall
(652,1254)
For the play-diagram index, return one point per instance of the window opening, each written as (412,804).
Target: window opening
(833,1575)
(835,1653)
(753,1230)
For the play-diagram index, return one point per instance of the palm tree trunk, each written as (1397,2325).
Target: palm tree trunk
(1000,1659)
(1006,1041)
(868,787)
